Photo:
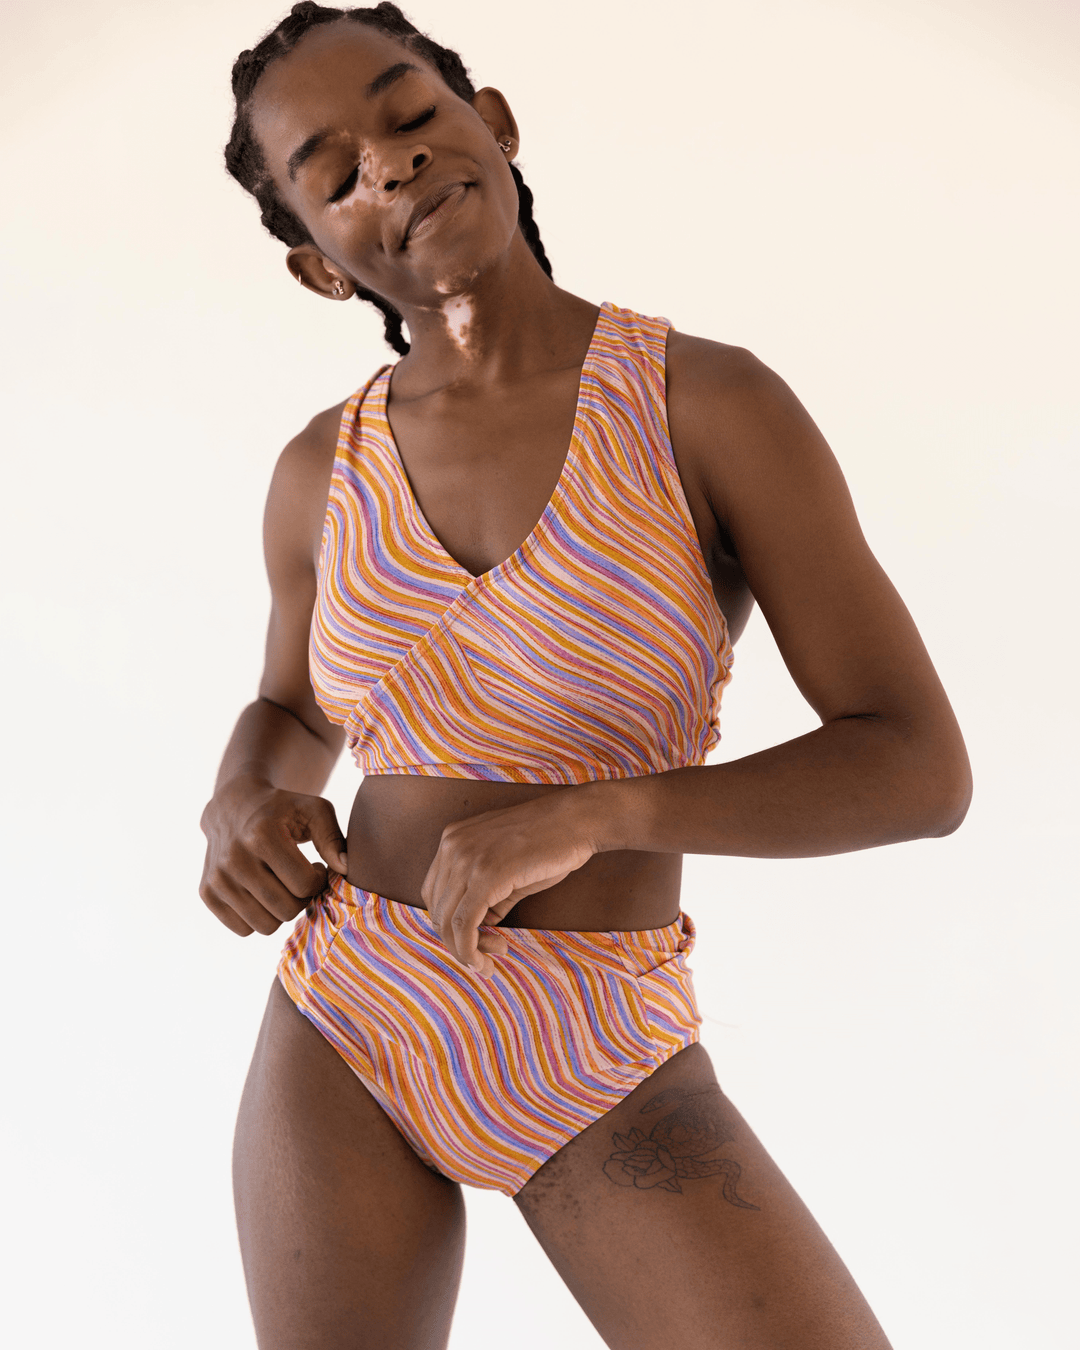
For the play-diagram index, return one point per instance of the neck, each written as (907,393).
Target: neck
(500,326)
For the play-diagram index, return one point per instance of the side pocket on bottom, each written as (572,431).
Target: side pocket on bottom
(671,1003)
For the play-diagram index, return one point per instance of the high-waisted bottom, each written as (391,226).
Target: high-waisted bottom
(487,1079)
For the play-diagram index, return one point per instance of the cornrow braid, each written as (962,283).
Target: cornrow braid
(525,220)
(244,157)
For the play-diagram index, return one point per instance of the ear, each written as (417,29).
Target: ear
(495,111)
(312,270)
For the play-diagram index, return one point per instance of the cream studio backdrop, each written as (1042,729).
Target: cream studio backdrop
(879,198)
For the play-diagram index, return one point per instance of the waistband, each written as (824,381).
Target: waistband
(376,913)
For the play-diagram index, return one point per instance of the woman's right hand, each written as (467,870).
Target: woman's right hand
(255,878)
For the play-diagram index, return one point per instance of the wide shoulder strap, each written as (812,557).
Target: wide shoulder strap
(636,337)
(349,432)
(348,457)
(630,387)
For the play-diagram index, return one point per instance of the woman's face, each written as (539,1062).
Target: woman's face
(363,140)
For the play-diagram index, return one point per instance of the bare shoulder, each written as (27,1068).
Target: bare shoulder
(296,504)
(705,366)
(738,429)
(305,465)
(723,390)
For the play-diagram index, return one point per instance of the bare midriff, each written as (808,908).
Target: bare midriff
(398,820)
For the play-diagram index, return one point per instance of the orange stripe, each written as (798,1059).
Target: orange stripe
(595,651)
(486,1079)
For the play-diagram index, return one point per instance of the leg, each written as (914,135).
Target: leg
(348,1240)
(692,1237)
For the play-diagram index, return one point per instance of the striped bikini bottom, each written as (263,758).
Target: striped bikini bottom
(486,1079)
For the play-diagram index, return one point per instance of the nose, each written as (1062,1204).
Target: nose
(392,170)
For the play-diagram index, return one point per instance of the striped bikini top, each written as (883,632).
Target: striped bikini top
(595,651)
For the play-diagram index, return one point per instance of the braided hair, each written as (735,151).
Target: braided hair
(244,157)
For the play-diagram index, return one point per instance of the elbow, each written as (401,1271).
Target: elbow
(947,803)
(926,785)
(950,814)
(931,781)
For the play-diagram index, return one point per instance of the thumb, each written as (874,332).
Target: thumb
(325,833)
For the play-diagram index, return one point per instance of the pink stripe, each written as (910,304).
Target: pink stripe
(487,1079)
(595,651)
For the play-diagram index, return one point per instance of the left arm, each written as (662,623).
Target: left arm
(888,762)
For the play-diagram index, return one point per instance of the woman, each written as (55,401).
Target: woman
(509,572)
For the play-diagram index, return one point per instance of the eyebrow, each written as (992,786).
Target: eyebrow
(379,85)
(389,76)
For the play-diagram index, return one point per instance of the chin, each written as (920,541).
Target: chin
(459,268)
(458,280)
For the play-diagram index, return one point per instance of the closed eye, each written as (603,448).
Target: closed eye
(346,187)
(418,122)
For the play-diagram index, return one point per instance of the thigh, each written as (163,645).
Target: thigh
(348,1239)
(673,1227)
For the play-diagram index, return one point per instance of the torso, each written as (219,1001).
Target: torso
(482,466)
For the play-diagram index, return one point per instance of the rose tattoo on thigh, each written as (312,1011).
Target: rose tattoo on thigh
(681,1146)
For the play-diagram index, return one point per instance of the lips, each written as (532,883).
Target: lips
(428,204)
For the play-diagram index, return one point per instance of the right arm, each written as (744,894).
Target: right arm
(266,800)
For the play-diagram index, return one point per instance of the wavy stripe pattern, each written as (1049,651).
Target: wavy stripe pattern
(596,650)
(487,1079)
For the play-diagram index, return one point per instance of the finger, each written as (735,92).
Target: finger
(433,885)
(224,913)
(242,902)
(463,937)
(282,856)
(481,961)
(543,884)
(448,873)
(497,912)
(442,897)
(465,932)
(233,921)
(492,944)
(458,911)
(325,833)
(261,883)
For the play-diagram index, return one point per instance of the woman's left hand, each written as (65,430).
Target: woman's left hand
(486,864)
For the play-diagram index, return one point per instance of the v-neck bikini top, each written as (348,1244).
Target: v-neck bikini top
(595,651)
